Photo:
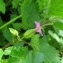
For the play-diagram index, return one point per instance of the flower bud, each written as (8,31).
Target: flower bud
(29,33)
(13,31)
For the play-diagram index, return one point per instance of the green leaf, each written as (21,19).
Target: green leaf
(4,61)
(34,57)
(62,60)
(16,3)
(2,6)
(13,15)
(2,40)
(7,51)
(1,22)
(1,53)
(19,52)
(35,42)
(38,57)
(16,60)
(56,8)
(60,33)
(40,4)
(58,24)
(54,35)
(57,38)
(30,13)
(7,34)
(50,53)
(18,55)
(17,26)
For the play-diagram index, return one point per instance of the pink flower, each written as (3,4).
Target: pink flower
(38,28)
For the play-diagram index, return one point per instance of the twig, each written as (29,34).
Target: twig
(10,43)
(6,45)
(11,21)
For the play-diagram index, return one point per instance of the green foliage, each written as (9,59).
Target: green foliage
(2,6)
(1,22)
(30,13)
(27,45)
(50,53)
(7,34)
(40,4)
(17,26)
(35,42)
(21,52)
(60,33)
(7,51)
(34,57)
(16,3)
(2,41)
(58,22)
(1,53)
(18,55)
(55,8)
(55,36)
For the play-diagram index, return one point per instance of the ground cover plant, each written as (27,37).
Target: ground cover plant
(31,31)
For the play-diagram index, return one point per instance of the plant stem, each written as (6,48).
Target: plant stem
(13,41)
(6,45)
(47,24)
(11,21)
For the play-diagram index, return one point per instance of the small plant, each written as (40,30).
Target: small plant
(31,31)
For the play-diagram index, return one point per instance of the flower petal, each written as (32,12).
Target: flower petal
(40,32)
(37,25)
(38,28)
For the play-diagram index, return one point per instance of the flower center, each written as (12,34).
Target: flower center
(40,28)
